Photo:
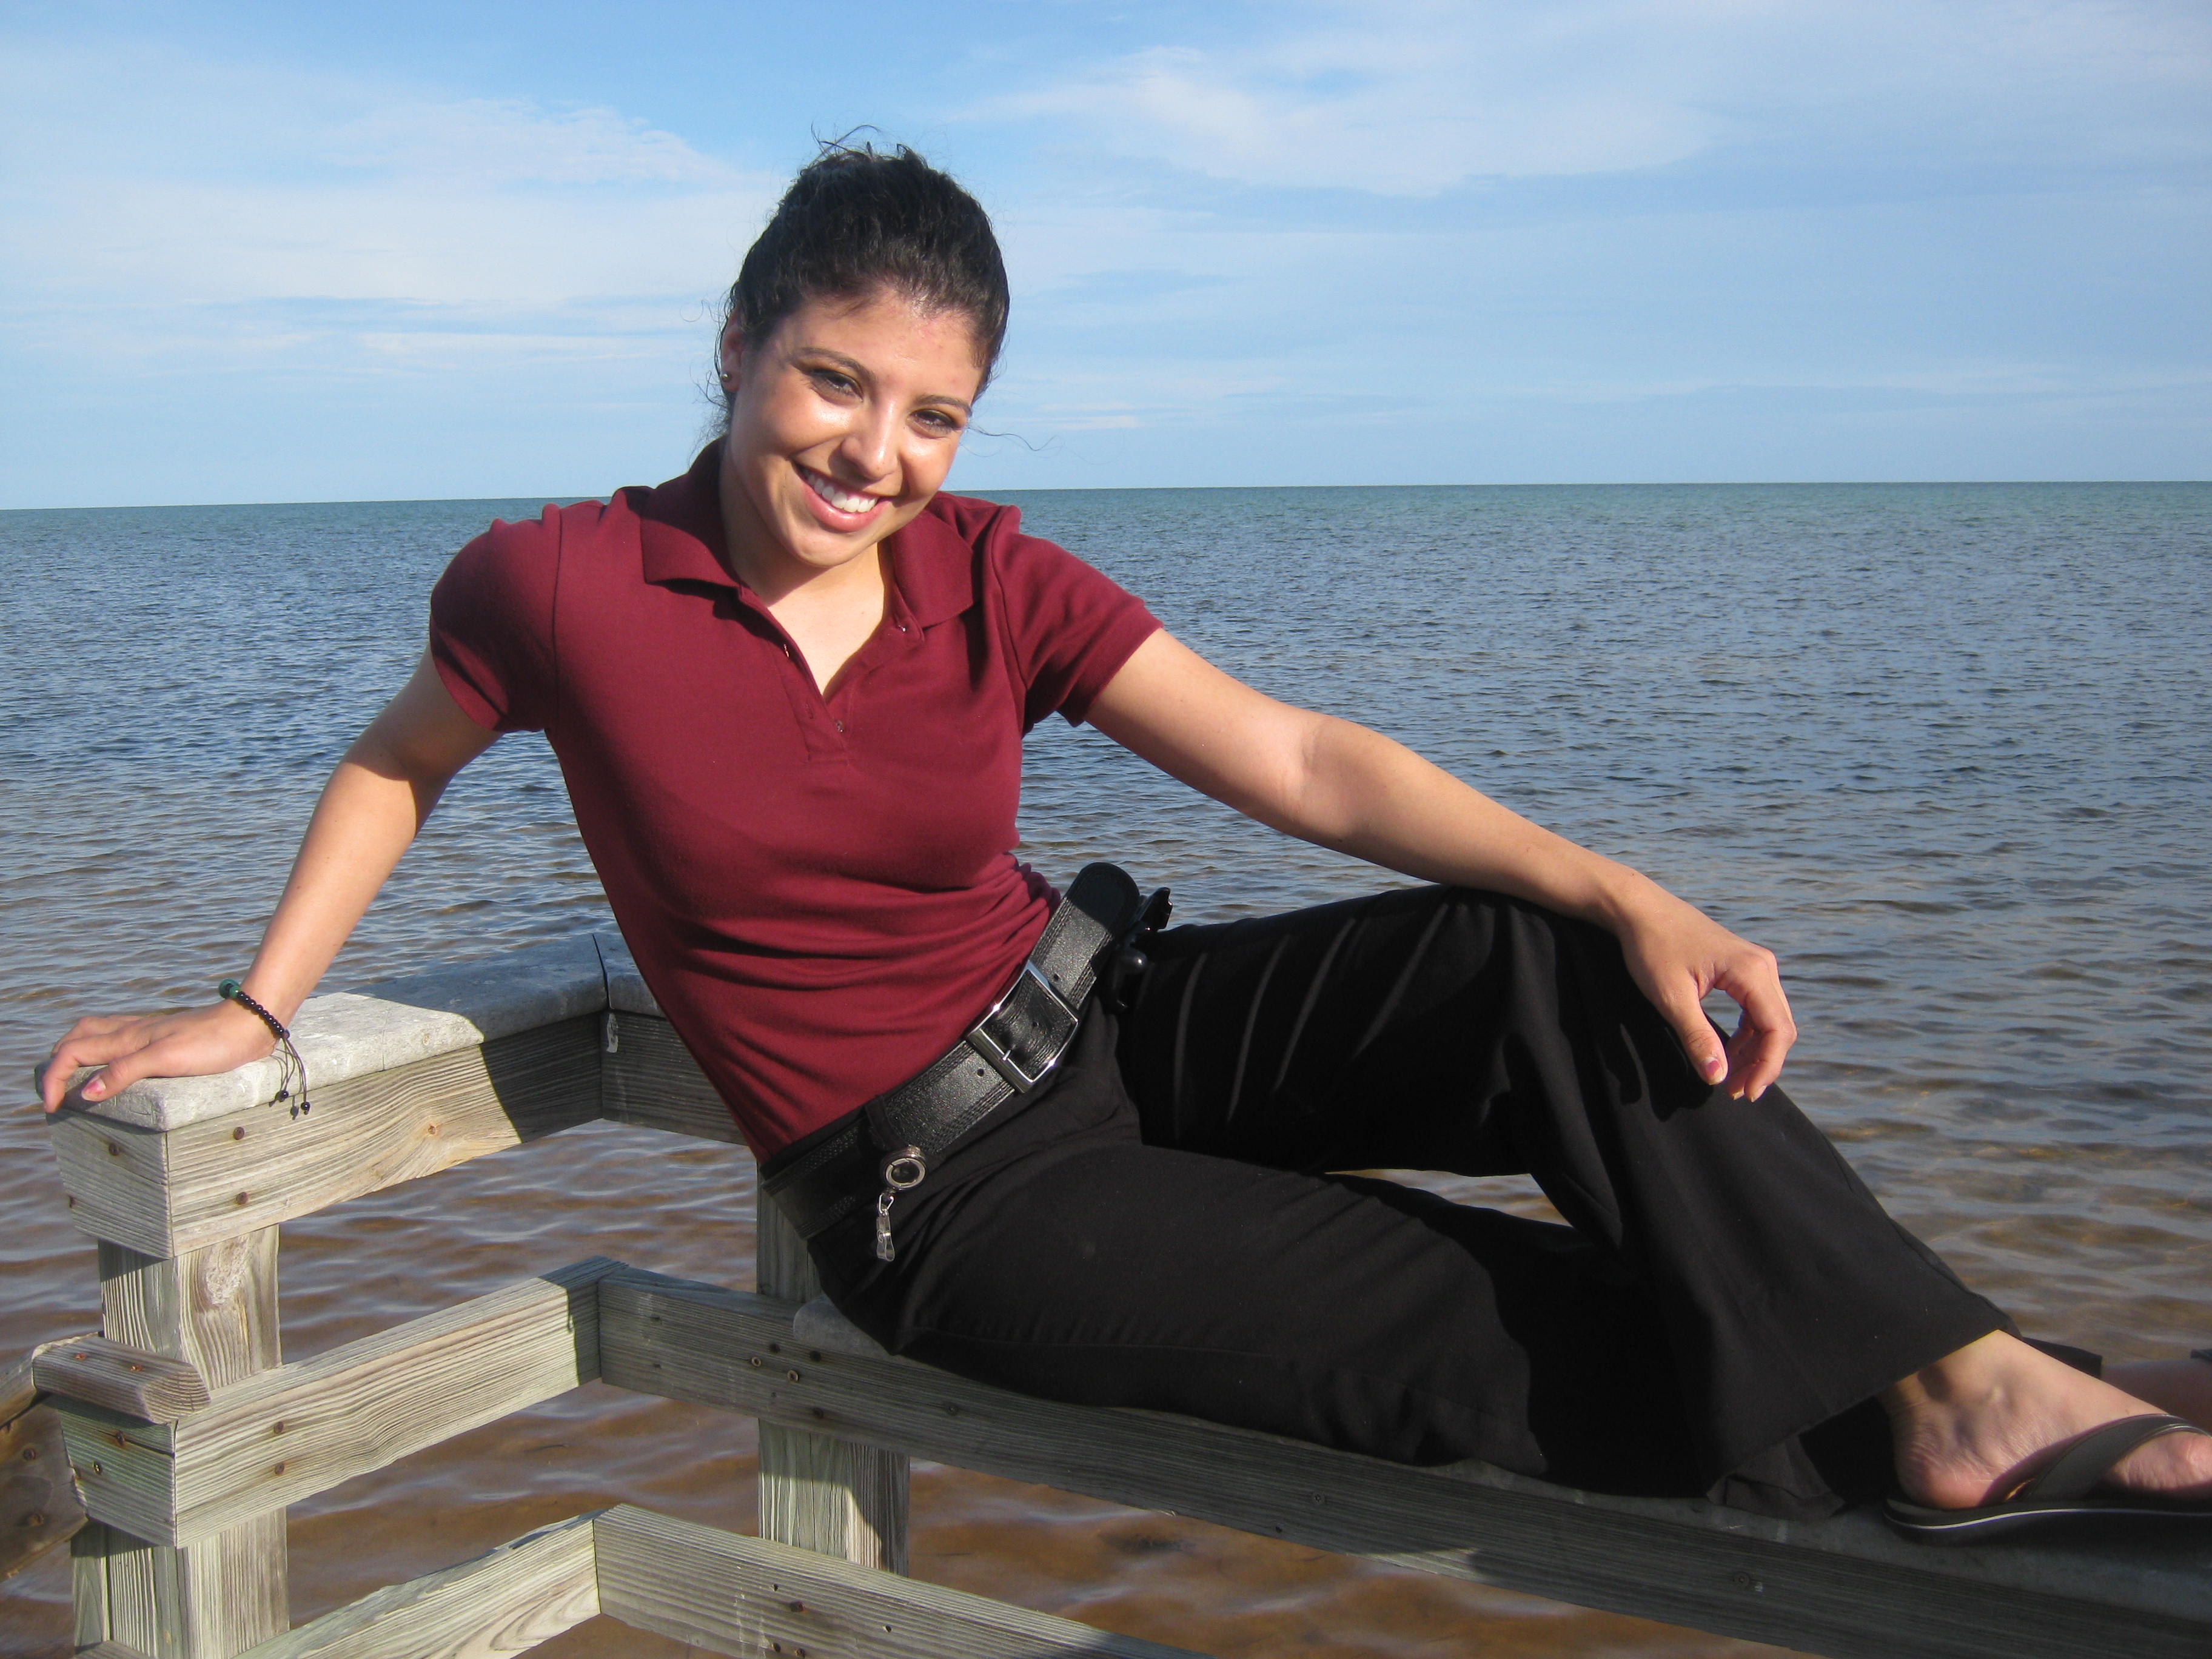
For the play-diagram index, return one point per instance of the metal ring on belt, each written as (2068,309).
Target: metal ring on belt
(1008,1052)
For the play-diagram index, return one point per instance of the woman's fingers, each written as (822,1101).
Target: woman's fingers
(90,1042)
(1679,1002)
(1764,1033)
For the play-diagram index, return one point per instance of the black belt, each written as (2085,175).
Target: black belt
(886,1146)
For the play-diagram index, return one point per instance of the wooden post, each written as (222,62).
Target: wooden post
(216,1308)
(816,1491)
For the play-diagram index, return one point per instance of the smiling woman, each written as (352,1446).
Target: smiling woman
(1044,1139)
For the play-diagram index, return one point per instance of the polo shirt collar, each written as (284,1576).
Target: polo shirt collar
(933,569)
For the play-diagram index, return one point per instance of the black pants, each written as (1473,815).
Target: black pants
(1159,1225)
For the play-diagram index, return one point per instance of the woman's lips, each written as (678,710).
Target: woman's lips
(838,508)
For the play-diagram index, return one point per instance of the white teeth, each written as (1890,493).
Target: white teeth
(845,500)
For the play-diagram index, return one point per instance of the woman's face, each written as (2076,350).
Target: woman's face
(843,422)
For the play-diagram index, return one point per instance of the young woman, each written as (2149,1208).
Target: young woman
(788,690)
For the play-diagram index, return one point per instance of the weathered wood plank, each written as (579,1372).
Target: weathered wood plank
(1845,1587)
(816,1491)
(167,1192)
(287,1434)
(88,1583)
(39,1508)
(132,1381)
(19,1390)
(343,1035)
(506,1601)
(649,1079)
(753,1597)
(214,1309)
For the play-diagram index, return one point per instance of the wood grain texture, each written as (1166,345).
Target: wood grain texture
(214,1309)
(39,1510)
(19,1390)
(649,1079)
(1845,1588)
(506,1601)
(760,1600)
(284,1435)
(816,1491)
(165,1193)
(132,1381)
(210,1600)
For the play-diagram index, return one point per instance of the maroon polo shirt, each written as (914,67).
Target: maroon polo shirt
(820,891)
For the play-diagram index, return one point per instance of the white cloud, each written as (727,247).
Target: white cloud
(492,142)
(175,203)
(1403,100)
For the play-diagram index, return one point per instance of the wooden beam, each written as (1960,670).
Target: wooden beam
(19,1390)
(752,1597)
(216,1310)
(39,1506)
(287,1434)
(648,1078)
(342,1035)
(506,1601)
(165,1193)
(819,1491)
(122,1379)
(1845,1588)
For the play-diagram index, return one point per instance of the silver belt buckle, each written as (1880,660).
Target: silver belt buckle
(1005,1064)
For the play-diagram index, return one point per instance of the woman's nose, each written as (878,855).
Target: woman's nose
(870,447)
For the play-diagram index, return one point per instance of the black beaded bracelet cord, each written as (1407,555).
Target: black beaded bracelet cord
(291,1070)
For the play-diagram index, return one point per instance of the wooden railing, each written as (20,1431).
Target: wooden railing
(189,1435)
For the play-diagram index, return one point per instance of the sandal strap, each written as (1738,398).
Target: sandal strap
(2075,1472)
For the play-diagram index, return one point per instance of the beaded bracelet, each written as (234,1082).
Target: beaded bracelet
(291,1070)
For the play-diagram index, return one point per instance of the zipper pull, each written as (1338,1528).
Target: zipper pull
(902,1169)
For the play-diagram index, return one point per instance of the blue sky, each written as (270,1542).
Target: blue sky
(261,251)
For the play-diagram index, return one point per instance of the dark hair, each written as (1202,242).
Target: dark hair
(856,220)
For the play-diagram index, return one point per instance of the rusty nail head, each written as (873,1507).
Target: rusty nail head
(790,1376)
(242,1200)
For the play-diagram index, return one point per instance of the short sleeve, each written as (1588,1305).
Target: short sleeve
(1070,626)
(491,624)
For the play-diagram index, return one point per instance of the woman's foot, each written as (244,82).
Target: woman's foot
(1970,1427)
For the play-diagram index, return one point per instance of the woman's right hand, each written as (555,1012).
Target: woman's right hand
(193,1042)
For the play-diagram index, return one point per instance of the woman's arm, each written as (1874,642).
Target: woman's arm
(1341,786)
(369,811)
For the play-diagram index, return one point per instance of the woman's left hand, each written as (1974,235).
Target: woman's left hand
(1677,953)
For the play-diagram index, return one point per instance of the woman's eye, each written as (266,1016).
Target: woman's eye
(831,382)
(936,421)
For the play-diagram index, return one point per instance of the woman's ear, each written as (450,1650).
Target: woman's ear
(731,355)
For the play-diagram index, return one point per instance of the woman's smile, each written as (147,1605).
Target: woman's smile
(839,507)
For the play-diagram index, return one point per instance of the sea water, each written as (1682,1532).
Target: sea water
(1942,747)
